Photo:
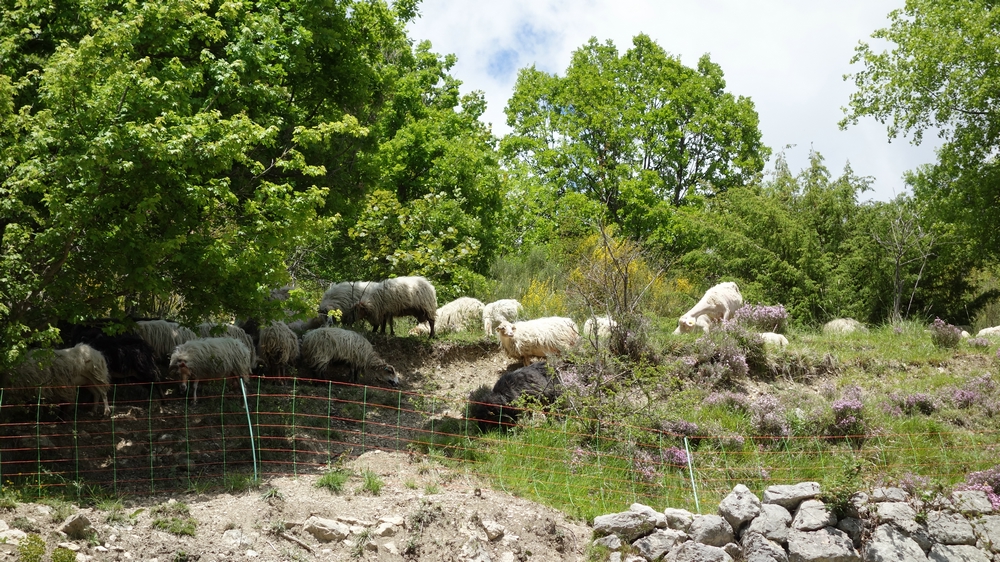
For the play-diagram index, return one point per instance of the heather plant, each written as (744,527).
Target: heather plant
(768,417)
(762,317)
(729,353)
(944,334)
(733,401)
(915,484)
(848,414)
(986,481)
(964,399)
(675,456)
(910,404)
(978,343)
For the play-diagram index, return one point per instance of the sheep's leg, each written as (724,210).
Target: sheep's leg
(431,322)
(194,388)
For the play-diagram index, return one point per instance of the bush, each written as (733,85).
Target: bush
(944,334)
(729,353)
(979,343)
(768,417)
(762,317)
(848,414)
(986,481)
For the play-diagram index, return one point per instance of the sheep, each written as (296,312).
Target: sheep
(400,296)
(210,330)
(300,327)
(278,348)
(455,316)
(208,358)
(989,332)
(843,326)
(61,374)
(322,346)
(492,408)
(163,336)
(129,356)
(598,327)
(499,311)
(344,296)
(771,338)
(718,303)
(537,338)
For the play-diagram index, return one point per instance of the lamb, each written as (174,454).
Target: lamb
(61,374)
(771,338)
(322,346)
(401,296)
(718,303)
(163,336)
(456,316)
(500,311)
(344,296)
(129,356)
(537,338)
(278,347)
(598,327)
(210,330)
(989,332)
(492,408)
(209,358)
(843,326)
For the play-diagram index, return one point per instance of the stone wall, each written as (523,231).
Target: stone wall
(791,524)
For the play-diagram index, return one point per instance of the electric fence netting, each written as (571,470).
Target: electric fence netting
(291,426)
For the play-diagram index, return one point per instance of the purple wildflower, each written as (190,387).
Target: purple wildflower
(964,398)
(768,417)
(674,456)
(763,318)
(944,334)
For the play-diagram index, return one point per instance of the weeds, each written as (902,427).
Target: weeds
(372,483)
(334,480)
(31,548)
(174,517)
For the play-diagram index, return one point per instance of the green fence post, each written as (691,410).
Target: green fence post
(399,414)
(694,488)
(253,453)
(329,414)
(295,456)
(76,440)
(222,427)
(114,444)
(187,443)
(149,420)
(38,438)
(364,418)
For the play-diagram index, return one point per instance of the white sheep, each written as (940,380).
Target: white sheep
(344,296)
(322,346)
(278,348)
(163,336)
(210,330)
(537,338)
(599,327)
(400,296)
(60,374)
(771,338)
(504,310)
(208,358)
(989,332)
(717,304)
(843,326)
(456,316)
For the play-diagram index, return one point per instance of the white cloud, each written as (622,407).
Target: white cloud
(788,56)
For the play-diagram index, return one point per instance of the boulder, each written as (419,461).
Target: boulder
(790,496)
(949,528)
(629,525)
(697,552)
(739,507)
(957,553)
(757,548)
(972,502)
(712,530)
(659,542)
(889,544)
(825,545)
(77,527)
(679,519)
(880,495)
(988,530)
(813,515)
(773,523)
(853,527)
(326,529)
(610,542)
(658,518)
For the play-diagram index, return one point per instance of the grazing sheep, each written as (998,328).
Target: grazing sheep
(989,332)
(504,310)
(598,327)
(206,330)
(457,316)
(59,375)
(278,347)
(492,408)
(537,338)
(300,327)
(771,338)
(209,358)
(843,326)
(322,346)
(401,296)
(717,304)
(344,296)
(129,356)
(163,336)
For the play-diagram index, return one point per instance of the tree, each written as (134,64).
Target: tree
(633,131)
(942,73)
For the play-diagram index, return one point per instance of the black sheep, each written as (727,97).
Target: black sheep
(492,408)
(128,356)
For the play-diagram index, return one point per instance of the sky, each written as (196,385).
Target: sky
(788,56)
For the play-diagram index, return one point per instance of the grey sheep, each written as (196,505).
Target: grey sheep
(60,374)
(344,296)
(401,296)
(503,310)
(210,330)
(278,348)
(209,358)
(322,346)
(163,336)
(457,316)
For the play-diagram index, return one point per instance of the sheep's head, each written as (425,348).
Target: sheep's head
(685,325)
(184,371)
(363,310)
(388,373)
(506,329)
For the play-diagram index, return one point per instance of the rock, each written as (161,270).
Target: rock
(740,506)
(712,530)
(772,523)
(813,515)
(825,545)
(901,514)
(12,536)
(371,546)
(251,554)
(890,544)
(493,529)
(679,519)
(659,542)
(235,537)
(629,525)
(857,505)
(385,529)
(611,542)
(391,548)
(697,552)
(957,553)
(972,502)
(988,530)
(615,557)
(789,497)
(474,551)
(507,556)
(853,527)
(326,529)
(949,528)
(77,527)
(659,519)
(757,548)
(734,551)
(394,520)
(889,495)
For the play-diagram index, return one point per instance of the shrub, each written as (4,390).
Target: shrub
(963,398)
(768,417)
(731,400)
(944,334)
(31,548)
(762,317)
(848,414)
(729,353)
(979,343)
(986,481)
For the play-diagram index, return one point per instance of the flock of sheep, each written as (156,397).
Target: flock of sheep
(233,351)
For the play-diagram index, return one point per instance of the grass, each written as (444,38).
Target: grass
(334,480)
(175,518)
(373,484)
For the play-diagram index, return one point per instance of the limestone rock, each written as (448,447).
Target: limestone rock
(679,519)
(236,538)
(734,551)
(611,542)
(740,506)
(950,528)
(757,548)
(825,545)
(889,495)
(988,530)
(697,552)
(813,515)
(972,502)
(659,542)
(659,519)
(772,523)
(326,529)
(493,529)
(385,529)
(77,527)
(712,530)
(853,527)
(889,544)
(790,496)
(898,513)
(957,553)
(629,525)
